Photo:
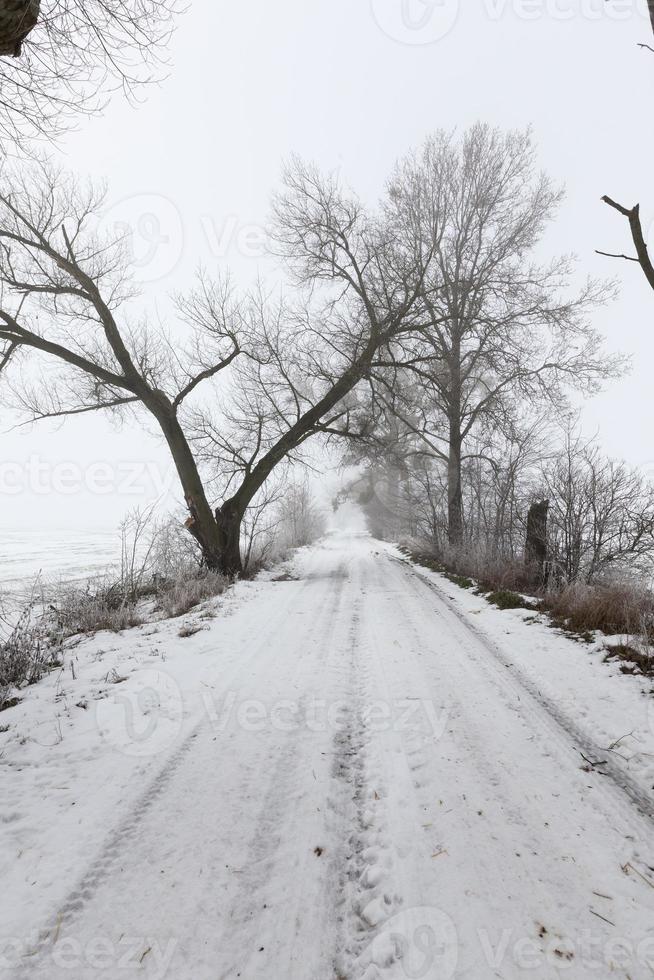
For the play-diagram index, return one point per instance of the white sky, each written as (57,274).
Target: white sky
(353,85)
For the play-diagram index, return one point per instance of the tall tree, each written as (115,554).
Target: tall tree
(502,326)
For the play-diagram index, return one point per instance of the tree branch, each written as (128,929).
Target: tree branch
(633,217)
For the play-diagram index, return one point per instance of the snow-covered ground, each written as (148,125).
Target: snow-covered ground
(54,555)
(353,769)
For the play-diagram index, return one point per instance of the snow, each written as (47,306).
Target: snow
(66,555)
(353,769)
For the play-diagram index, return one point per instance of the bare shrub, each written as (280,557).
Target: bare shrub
(26,653)
(284,516)
(301,520)
(98,606)
(178,579)
(176,597)
(174,552)
(612,607)
(491,572)
(620,606)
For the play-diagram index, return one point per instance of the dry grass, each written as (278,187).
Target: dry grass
(612,607)
(26,654)
(472,567)
(112,606)
(633,659)
(94,608)
(176,597)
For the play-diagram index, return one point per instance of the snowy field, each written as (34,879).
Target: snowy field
(55,555)
(349,769)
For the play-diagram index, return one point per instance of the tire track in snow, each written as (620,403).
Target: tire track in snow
(515,682)
(108,859)
(277,807)
(541,829)
(366,869)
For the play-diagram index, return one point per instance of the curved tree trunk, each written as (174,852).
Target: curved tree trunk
(217,534)
(17,19)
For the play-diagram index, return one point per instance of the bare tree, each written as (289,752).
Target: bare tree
(301,519)
(601,511)
(64,297)
(632,214)
(60,58)
(501,326)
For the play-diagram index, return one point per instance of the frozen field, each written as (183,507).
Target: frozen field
(68,555)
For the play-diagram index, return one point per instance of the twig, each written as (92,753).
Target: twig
(616,255)
(592,764)
(615,744)
(601,917)
(628,866)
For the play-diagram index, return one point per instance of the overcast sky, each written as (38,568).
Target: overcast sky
(353,84)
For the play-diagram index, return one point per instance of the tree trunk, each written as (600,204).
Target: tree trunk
(536,543)
(219,539)
(454,492)
(17,19)
(228,522)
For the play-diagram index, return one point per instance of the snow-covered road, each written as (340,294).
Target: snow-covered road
(363,790)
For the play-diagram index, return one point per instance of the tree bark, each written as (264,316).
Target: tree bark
(17,19)
(633,217)
(228,522)
(218,537)
(536,541)
(454,492)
